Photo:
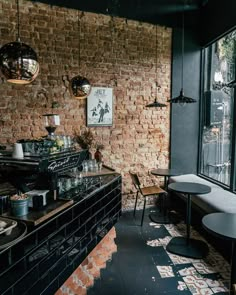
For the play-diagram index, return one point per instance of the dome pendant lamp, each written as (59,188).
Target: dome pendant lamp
(182,99)
(79,86)
(156,103)
(18,61)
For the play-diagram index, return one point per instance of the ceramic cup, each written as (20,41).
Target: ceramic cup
(18,151)
(19,207)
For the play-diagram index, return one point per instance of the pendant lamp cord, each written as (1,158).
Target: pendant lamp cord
(79,30)
(79,40)
(18,21)
(156,62)
(112,43)
(158,87)
(182,66)
(112,35)
(113,60)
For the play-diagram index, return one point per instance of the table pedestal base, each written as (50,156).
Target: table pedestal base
(188,248)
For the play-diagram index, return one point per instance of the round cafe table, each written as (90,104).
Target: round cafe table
(166,173)
(164,217)
(185,246)
(223,225)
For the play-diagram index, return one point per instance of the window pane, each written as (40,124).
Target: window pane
(219,70)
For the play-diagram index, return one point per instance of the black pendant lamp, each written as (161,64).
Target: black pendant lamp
(18,61)
(156,103)
(79,85)
(182,99)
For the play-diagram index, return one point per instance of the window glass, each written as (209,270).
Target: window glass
(219,70)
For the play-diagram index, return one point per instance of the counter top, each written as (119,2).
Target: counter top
(35,217)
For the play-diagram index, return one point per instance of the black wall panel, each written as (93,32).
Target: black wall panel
(185,119)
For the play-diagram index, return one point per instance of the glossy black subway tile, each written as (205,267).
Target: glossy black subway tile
(42,260)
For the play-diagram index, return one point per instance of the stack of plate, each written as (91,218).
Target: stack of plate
(11,231)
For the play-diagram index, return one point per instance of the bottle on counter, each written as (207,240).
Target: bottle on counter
(98,156)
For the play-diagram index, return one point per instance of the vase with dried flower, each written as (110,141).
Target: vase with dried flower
(85,139)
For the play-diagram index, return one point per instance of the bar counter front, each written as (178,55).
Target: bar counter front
(46,249)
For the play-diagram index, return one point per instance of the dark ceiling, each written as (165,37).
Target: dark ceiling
(162,12)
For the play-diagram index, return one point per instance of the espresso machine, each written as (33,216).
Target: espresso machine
(40,172)
(42,161)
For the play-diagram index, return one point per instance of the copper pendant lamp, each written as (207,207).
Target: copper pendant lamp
(18,61)
(181,98)
(156,103)
(79,86)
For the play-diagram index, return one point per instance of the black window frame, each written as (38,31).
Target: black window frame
(232,185)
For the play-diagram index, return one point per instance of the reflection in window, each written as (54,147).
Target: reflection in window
(219,70)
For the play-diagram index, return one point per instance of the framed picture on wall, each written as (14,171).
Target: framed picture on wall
(100,107)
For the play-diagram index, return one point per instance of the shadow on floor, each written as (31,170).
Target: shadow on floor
(142,266)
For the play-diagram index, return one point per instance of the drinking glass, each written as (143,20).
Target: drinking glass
(85,166)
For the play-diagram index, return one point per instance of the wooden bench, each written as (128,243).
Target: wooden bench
(218,200)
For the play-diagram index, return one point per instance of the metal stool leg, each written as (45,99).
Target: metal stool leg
(144,205)
(135,203)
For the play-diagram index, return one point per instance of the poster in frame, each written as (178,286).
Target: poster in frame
(100,107)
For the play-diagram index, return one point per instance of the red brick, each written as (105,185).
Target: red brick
(129,70)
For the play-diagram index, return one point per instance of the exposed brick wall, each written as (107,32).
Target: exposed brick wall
(83,277)
(121,56)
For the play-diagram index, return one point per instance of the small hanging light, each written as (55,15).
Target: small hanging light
(182,99)
(156,104)
(18,61)
(79,85)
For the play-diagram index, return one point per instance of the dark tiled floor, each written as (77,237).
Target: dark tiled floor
(142,266)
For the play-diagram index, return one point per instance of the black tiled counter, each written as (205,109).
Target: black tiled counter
(48,254)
